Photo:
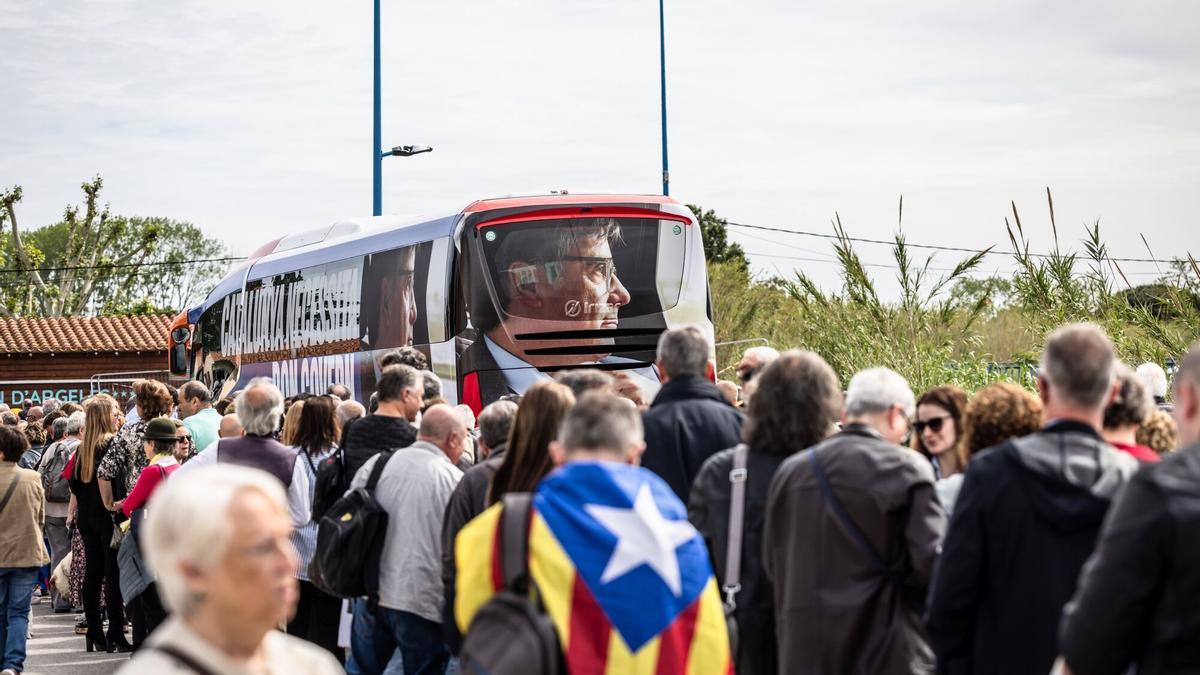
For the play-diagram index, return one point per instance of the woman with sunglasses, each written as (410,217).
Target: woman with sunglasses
(937,428)
(184,447)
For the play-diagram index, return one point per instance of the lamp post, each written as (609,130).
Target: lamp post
(377,143)
(662,65)
(377,151)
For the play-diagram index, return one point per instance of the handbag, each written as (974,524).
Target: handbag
(733,552)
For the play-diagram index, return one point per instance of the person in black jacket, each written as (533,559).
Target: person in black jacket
(799,404)
(689,419)
(1136,597)
(1027,519)
(390,426)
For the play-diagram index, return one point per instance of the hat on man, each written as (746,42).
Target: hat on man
(160,429)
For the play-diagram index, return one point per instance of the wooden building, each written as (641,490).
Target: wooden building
(72,358)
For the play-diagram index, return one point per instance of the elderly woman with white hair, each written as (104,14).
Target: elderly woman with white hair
(228,578)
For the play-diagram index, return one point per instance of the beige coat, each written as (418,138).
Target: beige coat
(285,655)
(21,520)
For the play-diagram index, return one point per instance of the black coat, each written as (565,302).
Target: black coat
(1026,520)
(1136,602)
(836,610)
(688,422)
(708,510)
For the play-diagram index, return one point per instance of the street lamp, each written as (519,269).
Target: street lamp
(377,151)
(662,66)
(406,151)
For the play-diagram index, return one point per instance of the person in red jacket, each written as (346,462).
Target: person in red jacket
(159,441)
(1126,413)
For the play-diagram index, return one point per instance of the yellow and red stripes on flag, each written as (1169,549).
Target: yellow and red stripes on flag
(696,643)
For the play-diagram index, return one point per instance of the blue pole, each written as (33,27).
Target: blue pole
(376,157)
(662,62)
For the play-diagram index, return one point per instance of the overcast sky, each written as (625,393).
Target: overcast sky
(253,119)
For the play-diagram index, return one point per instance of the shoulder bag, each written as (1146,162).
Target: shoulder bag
(848,524)
(733,547)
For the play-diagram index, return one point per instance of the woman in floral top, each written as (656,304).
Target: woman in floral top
(125,459)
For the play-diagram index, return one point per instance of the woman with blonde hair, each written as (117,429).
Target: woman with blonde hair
(291,422)
(88,509)
(527,460)
(228,578)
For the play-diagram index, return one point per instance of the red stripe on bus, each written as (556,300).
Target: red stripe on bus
(575,212)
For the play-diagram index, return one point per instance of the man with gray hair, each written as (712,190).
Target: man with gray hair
(689,420)
(853,526)
(1028,517)
(348,410)
(51,405)
(1133,609)
(259,409)
(1154,378)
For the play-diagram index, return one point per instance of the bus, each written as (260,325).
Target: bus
(496,296)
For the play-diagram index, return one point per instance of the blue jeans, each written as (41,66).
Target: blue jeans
(378,640)
(16,591)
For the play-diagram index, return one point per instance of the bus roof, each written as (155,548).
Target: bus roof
(359,236)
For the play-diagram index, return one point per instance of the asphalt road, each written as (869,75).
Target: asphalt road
(56,650)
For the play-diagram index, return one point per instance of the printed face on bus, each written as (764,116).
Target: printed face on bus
(581,286)
(398,303)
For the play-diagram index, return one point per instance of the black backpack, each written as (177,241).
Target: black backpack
(332,480)
(350,540)
(511,634)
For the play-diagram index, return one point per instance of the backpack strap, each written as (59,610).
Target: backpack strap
(183,659)
(377,470)
(514,547)
(844,518)
(8,493)
(737,518)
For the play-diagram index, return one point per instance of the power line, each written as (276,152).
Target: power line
(882,265)
(932,247)
(120,266)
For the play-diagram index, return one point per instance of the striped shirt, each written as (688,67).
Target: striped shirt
(304,538)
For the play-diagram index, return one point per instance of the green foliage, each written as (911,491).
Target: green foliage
(953,328)
(94,262)
(714,232)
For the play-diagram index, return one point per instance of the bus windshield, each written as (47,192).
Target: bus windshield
(583,273)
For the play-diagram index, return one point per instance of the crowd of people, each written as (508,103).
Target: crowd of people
(779,523)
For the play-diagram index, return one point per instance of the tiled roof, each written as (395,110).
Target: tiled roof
(84,334)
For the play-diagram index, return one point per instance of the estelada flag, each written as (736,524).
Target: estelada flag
(623,575)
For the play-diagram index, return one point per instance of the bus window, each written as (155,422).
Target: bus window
(554,293)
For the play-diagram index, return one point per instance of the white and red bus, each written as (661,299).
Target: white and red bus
(498,295)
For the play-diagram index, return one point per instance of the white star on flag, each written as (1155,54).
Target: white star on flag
(643,536)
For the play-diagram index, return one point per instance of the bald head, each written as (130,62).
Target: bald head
(444,427)
(754,360)
(230,427)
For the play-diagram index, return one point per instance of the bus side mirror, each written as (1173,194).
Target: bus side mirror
(179,355)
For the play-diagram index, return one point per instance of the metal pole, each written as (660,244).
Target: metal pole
(376,147)
(662,62)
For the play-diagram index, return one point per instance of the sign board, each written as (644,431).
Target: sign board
(14,393)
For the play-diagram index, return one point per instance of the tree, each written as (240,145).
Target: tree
(994,293)
(95,262)
(714,232)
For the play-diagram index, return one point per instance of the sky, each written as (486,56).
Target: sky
(253,119)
